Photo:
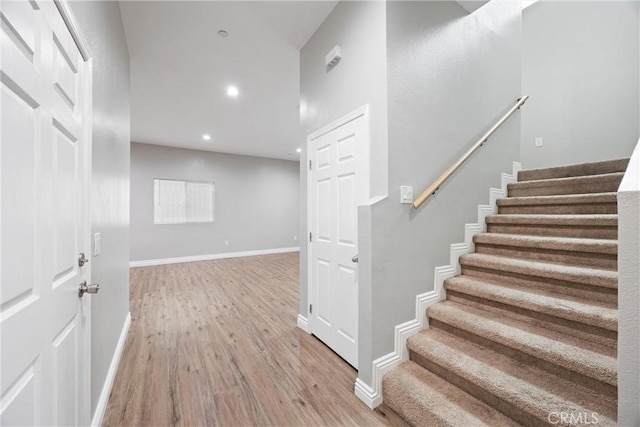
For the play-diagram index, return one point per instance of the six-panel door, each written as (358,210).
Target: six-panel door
(43,321)
(338,183)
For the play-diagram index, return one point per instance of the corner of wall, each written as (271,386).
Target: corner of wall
(371,394)
(629,294)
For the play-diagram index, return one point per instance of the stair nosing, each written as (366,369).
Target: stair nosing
(515,200)
(587,220)
(543,269)
(589,245)
(578,169)
(565,180)
(549,308)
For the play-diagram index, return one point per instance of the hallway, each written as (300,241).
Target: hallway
(215,343)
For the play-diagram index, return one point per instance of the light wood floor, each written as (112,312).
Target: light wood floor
(216,343)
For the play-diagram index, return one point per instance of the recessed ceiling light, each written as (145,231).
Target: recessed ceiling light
(223,33)
(298,150)
(206,137)
(232,91)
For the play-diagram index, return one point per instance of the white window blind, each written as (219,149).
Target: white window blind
(180,202)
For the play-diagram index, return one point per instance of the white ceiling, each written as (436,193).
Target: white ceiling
(181,67)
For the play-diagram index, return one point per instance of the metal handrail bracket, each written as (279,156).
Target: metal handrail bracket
(431,190)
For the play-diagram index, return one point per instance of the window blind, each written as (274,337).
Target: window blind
(180,202)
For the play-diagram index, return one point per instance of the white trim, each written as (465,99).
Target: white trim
(628,292)
(101,407)
(367,394)
(72,25)
(359,112)
(372,395)
(362,111)
(177,260)
(303,323)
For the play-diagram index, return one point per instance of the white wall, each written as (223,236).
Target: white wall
(580,67)
(629,294)
(256,203)
(359,78)
(101,25)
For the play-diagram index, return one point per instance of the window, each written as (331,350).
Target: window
(181,202)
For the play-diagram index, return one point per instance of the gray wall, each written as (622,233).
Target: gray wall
(580,67)
(359,78)
(101,25)
(451,75)
(256,203)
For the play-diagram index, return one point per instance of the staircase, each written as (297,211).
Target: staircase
(527,334)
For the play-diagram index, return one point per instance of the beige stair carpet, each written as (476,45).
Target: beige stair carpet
(528,332)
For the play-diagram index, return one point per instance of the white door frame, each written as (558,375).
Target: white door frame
(83,48)
(360,112)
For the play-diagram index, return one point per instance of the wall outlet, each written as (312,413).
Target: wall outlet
(226,243)
(295,238)
(406,194)
(539,141)
(97,244)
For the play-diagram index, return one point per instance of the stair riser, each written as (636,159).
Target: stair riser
(603,186)
(596,293)
(559,209)
(528,359)
(509,409)
(586,259)
(572,328)
(610,166)
(555,230)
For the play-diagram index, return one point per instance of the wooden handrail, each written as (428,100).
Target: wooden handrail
(431,190)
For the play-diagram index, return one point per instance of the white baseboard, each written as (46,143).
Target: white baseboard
(372,395)
(101,407)
(177,260)
(303,323)
(367,394)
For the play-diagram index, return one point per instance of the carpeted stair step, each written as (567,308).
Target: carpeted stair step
(589,283)
(600,253)
(559,186)
(522,391)
(590,226)
(422,398)
(575,360)
(593,321)
(597,203)
(597,168)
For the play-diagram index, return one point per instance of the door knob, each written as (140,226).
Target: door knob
(354,258)
(83,288)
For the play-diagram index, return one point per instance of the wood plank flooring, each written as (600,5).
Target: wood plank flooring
(216,343)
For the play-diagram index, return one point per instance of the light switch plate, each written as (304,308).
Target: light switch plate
(539,141)
(406,194)
(97,244)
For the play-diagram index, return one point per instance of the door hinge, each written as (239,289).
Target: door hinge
(310,308)
(310,236)
(310,163)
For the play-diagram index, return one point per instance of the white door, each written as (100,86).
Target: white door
(43,219)
(338,181)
